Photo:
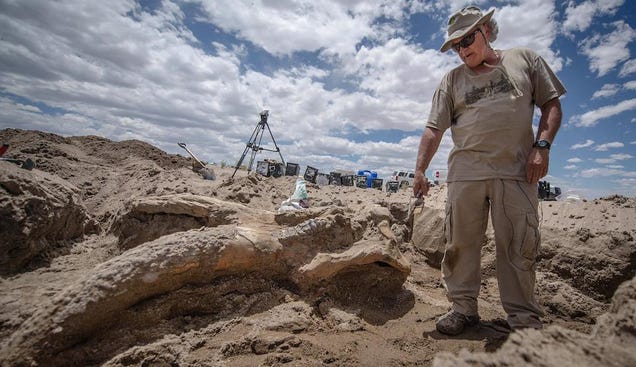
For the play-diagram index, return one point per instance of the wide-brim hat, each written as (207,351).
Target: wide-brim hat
(462,22)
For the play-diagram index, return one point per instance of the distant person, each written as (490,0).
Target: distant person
(488,103)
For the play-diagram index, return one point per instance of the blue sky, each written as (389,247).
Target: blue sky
(348,83)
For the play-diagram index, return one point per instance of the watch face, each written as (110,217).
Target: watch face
(542,144)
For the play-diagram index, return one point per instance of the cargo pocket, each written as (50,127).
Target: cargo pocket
(448,258)
(448,224)
(524,252)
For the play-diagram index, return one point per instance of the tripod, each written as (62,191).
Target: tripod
(255,143)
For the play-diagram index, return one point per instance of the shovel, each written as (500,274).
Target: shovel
(28,164)
(416,206)
(183,145)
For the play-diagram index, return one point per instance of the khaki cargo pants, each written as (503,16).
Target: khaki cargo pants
(513,209)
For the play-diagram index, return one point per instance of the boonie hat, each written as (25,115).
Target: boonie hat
(463,21)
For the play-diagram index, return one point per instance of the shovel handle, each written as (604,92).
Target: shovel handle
(183,145)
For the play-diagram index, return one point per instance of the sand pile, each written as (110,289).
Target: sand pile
(118,254)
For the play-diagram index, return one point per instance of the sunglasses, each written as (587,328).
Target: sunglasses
(466,41)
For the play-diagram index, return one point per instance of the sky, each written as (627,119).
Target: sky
(348,83)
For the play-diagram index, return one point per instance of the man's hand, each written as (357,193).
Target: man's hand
(420,185)
(537,165)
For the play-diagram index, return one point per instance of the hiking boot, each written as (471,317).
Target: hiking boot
(454,322)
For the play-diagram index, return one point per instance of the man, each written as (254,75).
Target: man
(494,166)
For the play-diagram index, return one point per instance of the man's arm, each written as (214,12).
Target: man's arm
(538,160)
(428,146)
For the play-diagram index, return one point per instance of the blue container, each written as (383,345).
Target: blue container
(371,175)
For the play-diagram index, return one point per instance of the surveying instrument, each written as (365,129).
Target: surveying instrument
(255,143)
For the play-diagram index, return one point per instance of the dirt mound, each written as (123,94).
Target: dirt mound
(610,344)
(40,213)
(147,263)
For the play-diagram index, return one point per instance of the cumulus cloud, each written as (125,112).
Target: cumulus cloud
(591,118)
(575,160)
(604,160)
(605,172)
(626,185)
(530,24)
(607,90)
(399,69)
(628,68)
(282,28)
(621,156)
(578,17)
(613,158)
(605,52)
(605,147)
(587,143)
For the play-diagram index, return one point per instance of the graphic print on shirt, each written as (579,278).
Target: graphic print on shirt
(490,90)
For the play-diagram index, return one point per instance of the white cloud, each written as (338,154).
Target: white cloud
(570,167)
(604,160)
(587,143)
(531,24)
(285,27)
(621,157)
(591,118)
(613,158)
(605,172)
(399,69)
(607,51)
(605,147)
(628,68)
(579,17)
(627,186)
(6,104)
(575,160)
(606,90)
(631,85)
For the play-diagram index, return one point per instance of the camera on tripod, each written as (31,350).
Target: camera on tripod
(254,144)
(264,114)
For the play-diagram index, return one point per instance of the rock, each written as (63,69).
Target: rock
(149,218)
(325,265)
(39,213)
(428,234)
(563,300)
(596,265)
(610,344)
(195,257)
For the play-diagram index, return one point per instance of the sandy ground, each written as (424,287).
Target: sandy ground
(77,229)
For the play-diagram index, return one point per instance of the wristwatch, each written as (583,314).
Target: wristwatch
(542,144)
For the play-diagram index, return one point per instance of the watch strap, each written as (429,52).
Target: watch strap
(542,144)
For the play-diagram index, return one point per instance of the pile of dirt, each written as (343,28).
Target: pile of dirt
(119,254)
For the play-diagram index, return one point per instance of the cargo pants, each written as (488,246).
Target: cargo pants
(513,211)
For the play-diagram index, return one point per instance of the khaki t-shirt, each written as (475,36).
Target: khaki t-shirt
(490,114)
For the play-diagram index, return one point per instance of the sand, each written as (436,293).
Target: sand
(119,254)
